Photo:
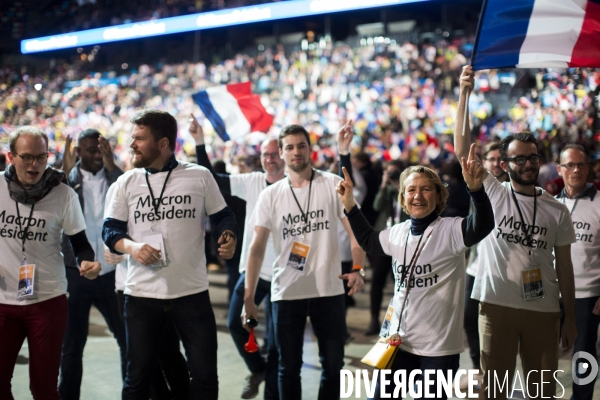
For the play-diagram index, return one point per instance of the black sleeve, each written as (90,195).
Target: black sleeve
(222,221)
(81,247)
(477,225)
(345,162)
(114,230)
(222,179)
(366,236)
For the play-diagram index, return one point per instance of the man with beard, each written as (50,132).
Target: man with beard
(90,178)
(157,216)
(526,267)
(303,212)
(248,187)
(583,202)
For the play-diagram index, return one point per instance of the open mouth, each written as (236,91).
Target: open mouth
(32,174)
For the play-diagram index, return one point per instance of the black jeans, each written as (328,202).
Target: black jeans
(83,293)
(471,323)
(194,320)
(587,336)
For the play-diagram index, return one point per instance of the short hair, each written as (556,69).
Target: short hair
(572,146)
(25,130)
(525,137)
(160,123)
(293,130)
(493,146)
(88,134)
(396,163)
(430,174)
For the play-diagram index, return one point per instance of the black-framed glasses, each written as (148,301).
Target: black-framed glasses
(28,158)
(521,160)
(571,165)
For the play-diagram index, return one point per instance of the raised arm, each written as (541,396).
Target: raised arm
(365,235)
(462,141)
(197,133)
(477,225)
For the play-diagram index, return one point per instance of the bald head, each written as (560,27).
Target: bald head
(271,161)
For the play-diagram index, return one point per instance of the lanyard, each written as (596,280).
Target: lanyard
(523,228)
(415,254)
(155,204)
(308,202)
(23,232)
(574,205)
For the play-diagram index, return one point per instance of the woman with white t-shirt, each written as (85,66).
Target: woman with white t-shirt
(429,256)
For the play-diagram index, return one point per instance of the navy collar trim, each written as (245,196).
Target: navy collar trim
(171,163)
(590,191)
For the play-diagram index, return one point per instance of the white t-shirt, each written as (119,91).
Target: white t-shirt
(248,187)
(190,195)
(278,211)
(94,198)
(120,268)
(57,212)
(504,257)
(585,252)
(432,322)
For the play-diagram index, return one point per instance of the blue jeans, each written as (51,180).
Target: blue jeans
(587,336)
(408,361)
(194,320)
(254,361)
(83,293)
(329,324)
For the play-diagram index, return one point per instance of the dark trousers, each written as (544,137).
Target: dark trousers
(83,293)
(171,378)
(43,324)
(409,362)
(194,321)
(587,337)
(382,268)
(329,324)
(471,323)
(254,361)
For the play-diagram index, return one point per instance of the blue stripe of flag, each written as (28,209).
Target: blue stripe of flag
(502,31)
(201,98)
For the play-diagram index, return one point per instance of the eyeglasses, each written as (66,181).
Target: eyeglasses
(272,155)
(571,166)
(521,160)
(28,159)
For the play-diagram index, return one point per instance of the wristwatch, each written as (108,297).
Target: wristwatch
(359,269)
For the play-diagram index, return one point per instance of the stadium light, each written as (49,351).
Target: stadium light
(200,21)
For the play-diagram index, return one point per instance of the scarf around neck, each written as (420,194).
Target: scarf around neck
(50,178)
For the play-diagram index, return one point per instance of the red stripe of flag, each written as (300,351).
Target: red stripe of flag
(586,52)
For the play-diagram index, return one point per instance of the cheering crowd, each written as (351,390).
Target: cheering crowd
(513,229)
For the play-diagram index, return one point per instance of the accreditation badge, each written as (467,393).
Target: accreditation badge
(298,256)
(26,280)
(533,285)
(387,321)
(155,239)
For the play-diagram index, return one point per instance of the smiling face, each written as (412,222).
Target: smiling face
(28,145)
(526,174)
(90,155)
(270,159)
(420,195)
(491,163)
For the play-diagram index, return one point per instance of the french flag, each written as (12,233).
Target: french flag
(233,110)
(538,34)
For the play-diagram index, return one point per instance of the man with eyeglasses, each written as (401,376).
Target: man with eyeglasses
(583,203)
(36,207)
(526,267)
(248,187)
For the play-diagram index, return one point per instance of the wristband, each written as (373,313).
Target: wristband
(359,269)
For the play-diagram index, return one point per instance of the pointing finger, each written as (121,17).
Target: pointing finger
(346,176)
